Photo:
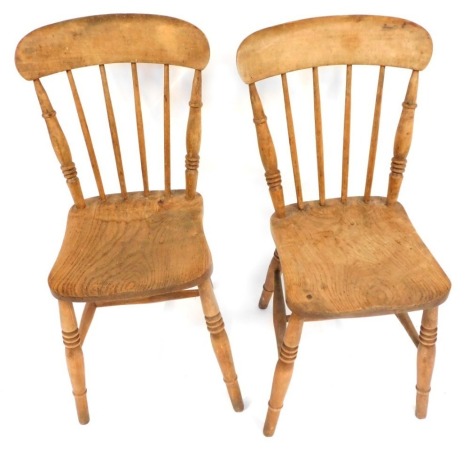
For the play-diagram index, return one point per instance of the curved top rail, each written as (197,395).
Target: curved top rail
(333,40)
(112,38)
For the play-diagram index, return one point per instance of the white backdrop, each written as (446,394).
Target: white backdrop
(154,387)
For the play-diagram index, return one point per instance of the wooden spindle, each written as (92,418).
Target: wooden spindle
(319,136)
(140,128)
(406,322)
(268,152)
(86,319)
(166,128)
(60,145)
(268,286)
(346,135)
(375,135)
(403,139)
(86,136)
(279,310)
(292,142)
(113,131)
(193,135)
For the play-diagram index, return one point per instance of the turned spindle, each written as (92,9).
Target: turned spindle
(193,135)
(403,139)
(267,152)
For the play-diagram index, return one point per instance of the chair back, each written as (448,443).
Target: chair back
(118,50)
(317,44)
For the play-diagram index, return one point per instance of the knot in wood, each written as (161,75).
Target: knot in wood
(409,105)
(259,121)
(49,114)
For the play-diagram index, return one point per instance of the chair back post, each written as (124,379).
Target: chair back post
(60,145)
(403,139)
(267,152)
(193,135)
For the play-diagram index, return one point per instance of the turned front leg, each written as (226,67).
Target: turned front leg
(220,343)
(426,357)
(74,357)
(283,373)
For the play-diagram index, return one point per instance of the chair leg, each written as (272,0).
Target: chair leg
(283,373)
(406,322)
(426,357)
(279,310)
(268,286)
(86,319)
(220,343)
(74,357)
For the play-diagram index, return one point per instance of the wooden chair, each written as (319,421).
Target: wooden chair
(350,256)
(132,246)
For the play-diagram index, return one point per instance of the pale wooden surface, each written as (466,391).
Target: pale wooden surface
(355,259)
(135,246)
(344,256)
(109,39)
(345,40)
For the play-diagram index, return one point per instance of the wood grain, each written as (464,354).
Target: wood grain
(136,246)
(345,256)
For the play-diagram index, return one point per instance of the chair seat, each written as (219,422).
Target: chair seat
(355,259)
(127,249)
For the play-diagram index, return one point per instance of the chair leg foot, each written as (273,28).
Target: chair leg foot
(425,361)
(74,358)
(283,373)
(81,404)
(220,343)
(271,420)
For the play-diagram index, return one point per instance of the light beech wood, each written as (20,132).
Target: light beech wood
(136,246)
(286,46)
(268,286)
(345,256)
(283,373)
(279,310)
(426,357)
(74,358)
(86,319)
(375,135)
(220,343)
(406,322)
(319,136)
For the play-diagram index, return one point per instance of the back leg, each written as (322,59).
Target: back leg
(220,343)
(279,310)
(268,286)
